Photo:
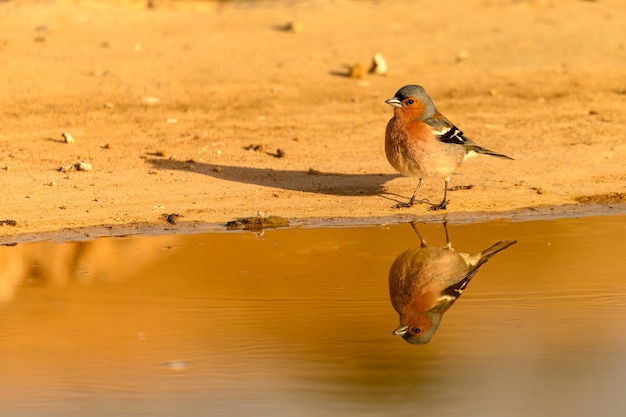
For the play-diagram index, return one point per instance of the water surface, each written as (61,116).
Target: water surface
(298,322)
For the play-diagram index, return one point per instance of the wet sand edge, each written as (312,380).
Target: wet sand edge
(184,226)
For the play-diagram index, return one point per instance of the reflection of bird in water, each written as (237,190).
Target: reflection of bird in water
(424,282)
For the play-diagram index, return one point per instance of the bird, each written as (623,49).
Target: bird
(424,282)
(421,142)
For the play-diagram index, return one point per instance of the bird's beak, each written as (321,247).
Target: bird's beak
(400,331)
(394,102)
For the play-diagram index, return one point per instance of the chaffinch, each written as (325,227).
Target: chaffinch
(424,282)
(421,142)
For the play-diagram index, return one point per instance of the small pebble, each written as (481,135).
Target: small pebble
(462,55)
(83,166)
(150,100)
(171,218)
(67,137)
(256,147)
(379,65)
(356,71)
(78,166)
(294,27)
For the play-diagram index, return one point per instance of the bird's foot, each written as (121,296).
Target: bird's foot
(441,206)
(403,205)
(412,202)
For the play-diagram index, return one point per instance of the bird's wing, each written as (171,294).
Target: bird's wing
(446,132)
(449,294)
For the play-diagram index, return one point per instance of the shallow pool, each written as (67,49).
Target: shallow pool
(298,322)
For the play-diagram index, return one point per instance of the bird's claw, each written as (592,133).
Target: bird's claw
(403,205)
(441,206)
(412,202)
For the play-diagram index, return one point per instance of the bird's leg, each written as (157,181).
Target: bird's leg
(412,200)
(444,202)
(445,228)
(414,226)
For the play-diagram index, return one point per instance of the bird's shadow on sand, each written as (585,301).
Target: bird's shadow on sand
(308,181)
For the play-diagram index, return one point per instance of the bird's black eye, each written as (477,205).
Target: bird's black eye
(416,330)
(410,101)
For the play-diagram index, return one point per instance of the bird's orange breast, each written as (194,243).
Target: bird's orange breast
(412,149)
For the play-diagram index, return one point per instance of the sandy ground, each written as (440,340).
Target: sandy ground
(182,108)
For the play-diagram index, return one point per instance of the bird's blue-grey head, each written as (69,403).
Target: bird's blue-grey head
(416,92)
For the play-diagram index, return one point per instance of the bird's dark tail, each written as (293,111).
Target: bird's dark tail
(498,247)
(485,151)
(477,260)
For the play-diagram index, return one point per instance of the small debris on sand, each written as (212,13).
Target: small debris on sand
(257,223)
